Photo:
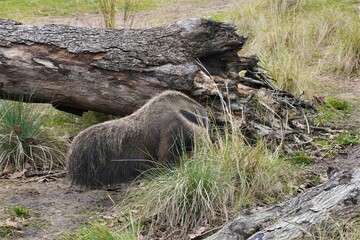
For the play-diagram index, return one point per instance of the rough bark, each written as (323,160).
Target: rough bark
(295,219)
(116,71)
(110,71)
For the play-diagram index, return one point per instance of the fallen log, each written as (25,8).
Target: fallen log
(110,71)
(337,198)
(117,71)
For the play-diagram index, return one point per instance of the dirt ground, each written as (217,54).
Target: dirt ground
(57,208)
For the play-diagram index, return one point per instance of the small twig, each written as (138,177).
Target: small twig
(299,142)
(208,232)
(133,160)
(42,173)
(197,60)
(108,195)
(269,108)
(307,123)
(326,129)
(253,81)
(171,234)
(113,189)
(61,174)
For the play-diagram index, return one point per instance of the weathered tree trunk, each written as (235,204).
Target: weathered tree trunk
(111,71)
(339,197)
(116,71)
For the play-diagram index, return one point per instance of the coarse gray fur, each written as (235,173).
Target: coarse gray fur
(119,150)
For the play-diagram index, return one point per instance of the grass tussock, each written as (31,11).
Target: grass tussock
(111,8)
(211,184)
(21,211)
(336,229)
(299,41)
(108,12)
(98,230)
(24,142)
(128,8)
(339,104)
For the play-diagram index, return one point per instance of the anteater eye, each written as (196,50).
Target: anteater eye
(193,118)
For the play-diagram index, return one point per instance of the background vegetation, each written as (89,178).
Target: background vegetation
(318,37)
(23,10)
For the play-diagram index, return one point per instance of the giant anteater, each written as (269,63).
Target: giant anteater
(119,150)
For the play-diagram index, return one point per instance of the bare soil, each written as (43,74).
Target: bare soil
(58,209)
(346,160)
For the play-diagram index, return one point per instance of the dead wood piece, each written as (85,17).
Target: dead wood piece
(45,173)
(46,177)
(336,198)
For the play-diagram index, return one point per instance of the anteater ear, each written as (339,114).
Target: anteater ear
(194,118)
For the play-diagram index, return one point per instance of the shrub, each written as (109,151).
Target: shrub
(211,184)
(97,230)
(347,139)
(24,143)
(339,229)
(21,211)
(339,104)
(301,158)
(108,12)
(109,8)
